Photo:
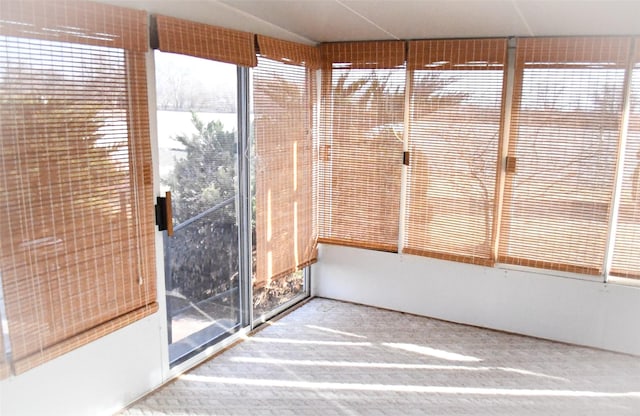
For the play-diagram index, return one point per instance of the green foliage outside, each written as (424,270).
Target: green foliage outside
(204,254)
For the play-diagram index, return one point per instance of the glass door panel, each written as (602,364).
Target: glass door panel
(197,138)
(282,185)
(270,296)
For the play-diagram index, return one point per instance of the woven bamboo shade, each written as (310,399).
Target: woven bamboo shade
(363,55)
(75,21)
(283,126)
(562,152)
(206,41)
(468,54)
(573,52)
(289,52)
(626,253)
(360,149)
(77,258)
(454,136)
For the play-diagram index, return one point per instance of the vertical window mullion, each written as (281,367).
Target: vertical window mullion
(503,147)
(620,165)
(244,195)
(402,227)
(625,257)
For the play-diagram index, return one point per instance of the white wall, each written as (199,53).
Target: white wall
(577,311)
(96,379)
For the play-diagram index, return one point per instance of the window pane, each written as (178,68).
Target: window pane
(453,141)
(562,153)
(361,142)
(361,158)
(285,236)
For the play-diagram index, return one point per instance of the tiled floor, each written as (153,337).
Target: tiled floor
(334,358)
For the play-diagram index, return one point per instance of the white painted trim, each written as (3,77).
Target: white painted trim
(501,172)
(550,272)
(160,277)
(624,281)
(402,227)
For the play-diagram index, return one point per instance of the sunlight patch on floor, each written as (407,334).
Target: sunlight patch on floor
(391,366)
(432,352)
(308,342)
(477,391)
(334,331)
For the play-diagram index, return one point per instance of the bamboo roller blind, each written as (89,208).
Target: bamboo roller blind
(562,152)
(75,21)
(289,52)
(455,126)
(77,257)
(363,55)
(626,253)
(77,261)
(284,94)
(360,148)
(469,54)
(206,41)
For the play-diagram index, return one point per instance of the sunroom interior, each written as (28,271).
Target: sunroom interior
(163,161)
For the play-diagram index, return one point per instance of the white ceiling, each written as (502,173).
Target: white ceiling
(313,21)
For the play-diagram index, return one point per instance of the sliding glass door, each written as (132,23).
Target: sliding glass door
(197,135)
(235,156)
